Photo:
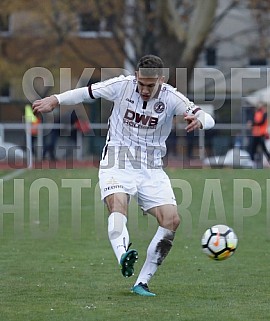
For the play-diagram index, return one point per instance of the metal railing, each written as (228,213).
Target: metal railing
(26,128)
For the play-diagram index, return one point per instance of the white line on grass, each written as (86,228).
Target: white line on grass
(14,174)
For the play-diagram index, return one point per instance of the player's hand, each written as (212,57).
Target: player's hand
(193,123)
(45,105)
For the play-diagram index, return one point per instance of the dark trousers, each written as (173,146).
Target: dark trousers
(258,141)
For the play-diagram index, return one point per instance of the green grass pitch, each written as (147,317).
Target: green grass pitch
(56,262)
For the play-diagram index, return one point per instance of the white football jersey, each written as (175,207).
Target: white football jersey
(136,124)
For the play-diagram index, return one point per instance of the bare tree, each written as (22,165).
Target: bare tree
(177,30)
(183,29)
(261,12)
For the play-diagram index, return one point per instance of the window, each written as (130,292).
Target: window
(258,62)
(4,92)
(88,23)
(211,56)
(4,24)
(91,26)
(3,48)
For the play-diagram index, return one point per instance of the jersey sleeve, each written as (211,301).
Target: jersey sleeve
(108,89)
(184,106)
(74,96)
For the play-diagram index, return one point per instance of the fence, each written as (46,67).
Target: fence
(225,135)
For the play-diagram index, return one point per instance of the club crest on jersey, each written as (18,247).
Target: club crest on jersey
(159,107)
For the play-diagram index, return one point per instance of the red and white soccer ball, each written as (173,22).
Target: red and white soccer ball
(219,242)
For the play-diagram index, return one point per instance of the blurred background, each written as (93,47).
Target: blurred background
(217,53)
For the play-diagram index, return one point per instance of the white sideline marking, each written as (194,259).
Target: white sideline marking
(16,173)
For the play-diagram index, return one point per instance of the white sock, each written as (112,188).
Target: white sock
(118,233)
(157,250)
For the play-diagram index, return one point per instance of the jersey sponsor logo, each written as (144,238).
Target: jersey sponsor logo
(138,120)
(159,107)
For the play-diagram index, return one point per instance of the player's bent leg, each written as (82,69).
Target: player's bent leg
(167,216)
(157,251)
(117,202)
(118,233)
(161,243)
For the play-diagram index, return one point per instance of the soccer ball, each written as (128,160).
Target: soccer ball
(219,242)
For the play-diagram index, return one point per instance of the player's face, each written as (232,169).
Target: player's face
(148,86)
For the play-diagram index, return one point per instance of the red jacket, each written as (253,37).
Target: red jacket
(260,122)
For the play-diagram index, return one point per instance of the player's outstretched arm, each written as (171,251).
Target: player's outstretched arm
(70,97)
(201,120)
(45,105)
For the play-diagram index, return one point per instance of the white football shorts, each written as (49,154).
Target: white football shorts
(151,186)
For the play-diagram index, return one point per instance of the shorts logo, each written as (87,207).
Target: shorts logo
(112,181)
(113,184)
(159,107)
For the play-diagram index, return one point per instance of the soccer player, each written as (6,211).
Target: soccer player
(131,163)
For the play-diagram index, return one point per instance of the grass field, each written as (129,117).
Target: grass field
(56,262)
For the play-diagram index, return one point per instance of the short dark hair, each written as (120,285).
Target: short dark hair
(150,65)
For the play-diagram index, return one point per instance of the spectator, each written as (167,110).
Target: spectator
(51,138)
(259,131)
(35,121)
